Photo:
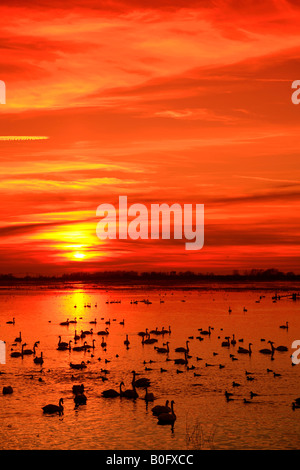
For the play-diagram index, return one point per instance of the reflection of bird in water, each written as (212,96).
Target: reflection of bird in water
(80,399)
(54,408)
(126,342)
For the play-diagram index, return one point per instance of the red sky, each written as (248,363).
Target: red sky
(161,101)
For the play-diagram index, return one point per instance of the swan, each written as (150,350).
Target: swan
(54,408)
(27,352)
(61,343)
(148,396)
(7,390)
(233,341)
(93,322)
(77,389)
(103,344)
(167,418)
(285,327)
(182,361)
(163,350)
(82,365)
(268,351)
(11,322)
(130,393)
(17,353)
(39,360)
(143,333)
(19,338)
(79,348)
(126,342)
(103,333)
(226,343)
(281,348)
(65,322)
(62,346)
(205,332)
(149,340)
(159,409)
(244,350)
(183,349)
(88,346)
(140,383)
(111,393)
(87,332)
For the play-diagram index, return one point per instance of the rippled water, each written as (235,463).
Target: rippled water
(204,418)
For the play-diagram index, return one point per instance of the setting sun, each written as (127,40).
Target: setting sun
(79,255)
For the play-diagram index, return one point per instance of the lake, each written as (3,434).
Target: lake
(204,418)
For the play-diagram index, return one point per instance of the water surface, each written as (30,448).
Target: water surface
(204,418)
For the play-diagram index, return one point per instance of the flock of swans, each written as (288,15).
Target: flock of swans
(165,414)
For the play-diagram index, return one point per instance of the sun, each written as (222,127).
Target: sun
(78,255)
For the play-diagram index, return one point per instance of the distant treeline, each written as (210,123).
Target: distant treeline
(132,277)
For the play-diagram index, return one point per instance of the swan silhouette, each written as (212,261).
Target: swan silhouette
(159,409)
(167,418)
(54,408)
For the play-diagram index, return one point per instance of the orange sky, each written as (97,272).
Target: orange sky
(182,101)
